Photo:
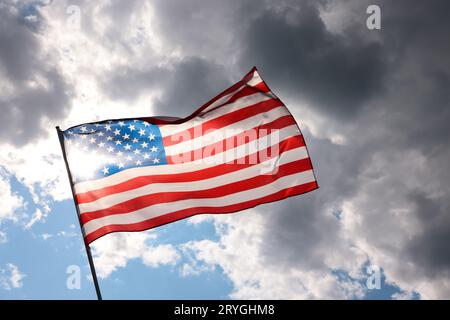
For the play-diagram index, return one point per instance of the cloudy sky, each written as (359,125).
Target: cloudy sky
(374,107)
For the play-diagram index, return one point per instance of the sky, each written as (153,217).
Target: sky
(373,106)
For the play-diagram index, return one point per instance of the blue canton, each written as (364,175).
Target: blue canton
(99,150)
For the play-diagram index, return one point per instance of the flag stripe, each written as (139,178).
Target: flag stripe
(228,130)
(171,130)
(182,214)
(169,196)
(246,136)
(167,207)
(289,143)
(230,155)
(238,172)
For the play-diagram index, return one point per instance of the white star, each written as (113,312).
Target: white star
(144,144)
(70,132)
(129,158)
(109,138)
(146,156)
(138,163)
(121,123)
(118,142)
(96,125)
(117,132)
(142,132)
(92,140)
(154,149)
(101,144)
(83,137)
(110,149)
(108,127)
(131,127)
(156,160)
(100,134)
(126,136)
(146,124)
(83,129)
(135,140)
(151,136)
(121,165)
(105,170)
(137,151)
(127,147)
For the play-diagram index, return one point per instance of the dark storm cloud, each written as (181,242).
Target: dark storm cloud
(17,45)
(293,46)
(203,28)
(34,89)
(430,249)
(419,47)
(191,84)
(305,235)
(127,83)
(307,227)
(399,85)
(418,109)
(186,84)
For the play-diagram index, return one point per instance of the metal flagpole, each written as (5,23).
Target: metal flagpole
(88,249)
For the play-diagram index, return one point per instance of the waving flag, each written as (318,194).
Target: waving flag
(241,149)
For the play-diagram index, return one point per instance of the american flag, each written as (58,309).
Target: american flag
(239,150)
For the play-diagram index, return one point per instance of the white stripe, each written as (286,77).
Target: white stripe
(172,129)
(235,198)
(255,80)
(231,154)
(225,132)
(205,184)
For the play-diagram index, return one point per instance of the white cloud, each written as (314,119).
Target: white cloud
(113,251)
(384,229)
(11,277)
(39,165)
(3,237)
(239,252)
(11,201)
(37,216)
(46,236)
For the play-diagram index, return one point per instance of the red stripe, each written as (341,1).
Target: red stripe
(220,191)
(232,142)
(262,87)
(248,90)
(222,121)
(244,162)
(185,213)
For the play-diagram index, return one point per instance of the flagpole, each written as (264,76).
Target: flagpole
(88,249)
